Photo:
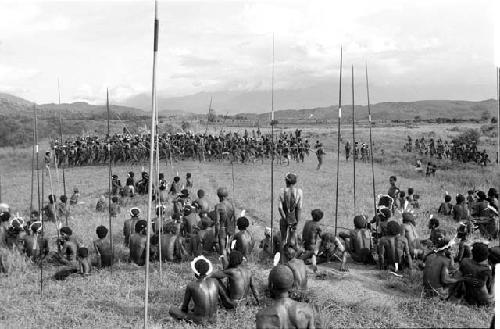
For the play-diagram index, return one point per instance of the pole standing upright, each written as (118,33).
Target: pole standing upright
(109,186)
(353,139)
(498,117)
(338,144)
(151,167)
(62,142)
(371,143)
(272,154)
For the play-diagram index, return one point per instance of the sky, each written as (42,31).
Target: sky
(427,49)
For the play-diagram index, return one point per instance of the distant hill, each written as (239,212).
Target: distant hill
(13,106)
(424,110)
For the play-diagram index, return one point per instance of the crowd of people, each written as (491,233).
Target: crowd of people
(453,150)
(246,147)
(186,228)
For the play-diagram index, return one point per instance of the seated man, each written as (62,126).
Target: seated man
(446,207)
(83,266)
(488,223)
(244,242)
(138,243)
(478,276)
(173,245)
(393,249)
(129,225)
(460,211)
(73,200)
(102,247)
(285,312)
(239,278)
(311,236)
(190,221)
(437,280)
(435,234)
(269,250)
(35,246)
(68,248)
(298,268)
(463,245)
(359,241)
(206,238)
(411,235)
(101,205)
(331,249)
(205,293)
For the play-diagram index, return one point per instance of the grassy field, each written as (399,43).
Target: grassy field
(364,297)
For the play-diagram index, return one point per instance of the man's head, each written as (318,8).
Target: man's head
(160,210)
(131,174)
(281,278)
(385,214)
(134,212)
(481,196)
(184,193)
(290,179)
(201,194)
(201,266)
(479,252)
(359,222)
(392,180)
(52,198)
(63,198)
(460,198)
(36,227)
(188,209)
(408,217)
(114,199)
(101,232)
(177,179)
(393,228)
(402,194)
(447,198)
(493,193)
(410,191)
(242,223)
(161,176)
(433,223)
(222,192)
(188,175)
(75,190)
(290,252)
(462,231)
(235,258)
(441,241)
(4,217)
(140,226)
(317,215)
(66,232)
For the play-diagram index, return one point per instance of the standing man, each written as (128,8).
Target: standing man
(319,154)
(290,208)
(225,219)
(347,151)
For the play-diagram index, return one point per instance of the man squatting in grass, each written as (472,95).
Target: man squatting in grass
(205,293)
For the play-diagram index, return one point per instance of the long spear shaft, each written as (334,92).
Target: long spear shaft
(109,187)
(151,154)
(338,144)
(62,163)
(371,143)
(159,220)
(498,117)
(209,108)
(32,171)
(353,139)
(38,194)
(272,156)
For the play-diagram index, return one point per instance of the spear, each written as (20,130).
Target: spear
(32,171)
(353,140)
(151,154)
(35,133)
(209,108)
(158,201)
(371,142)
(109,187)
(272,158)
(338,143)
(498,116)
(61,138)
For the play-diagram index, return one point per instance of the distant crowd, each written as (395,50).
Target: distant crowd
(248,147)
(453,150)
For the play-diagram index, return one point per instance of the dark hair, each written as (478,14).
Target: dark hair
(479,251)
(291,179)
(188,175)
(410,191)
(235,258)
(101,232)
(447,198)
(177,179)
(242,223)
(394,178)
(402,194)
(140,225)
(114,199)
(202,267)
(434,222)
(460,198)
(393,228)
(201,194)
(4,216)
(63,198)
(317,215)
(66,230)
(359,222)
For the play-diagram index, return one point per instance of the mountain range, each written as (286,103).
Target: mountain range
(249,105)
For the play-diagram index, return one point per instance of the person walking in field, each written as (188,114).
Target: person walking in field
(319,154)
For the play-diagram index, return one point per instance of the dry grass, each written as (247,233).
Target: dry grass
(362,298)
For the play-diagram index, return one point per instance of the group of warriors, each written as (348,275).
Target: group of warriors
(453,150)
(246,147)
(360,151)
(189,229)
